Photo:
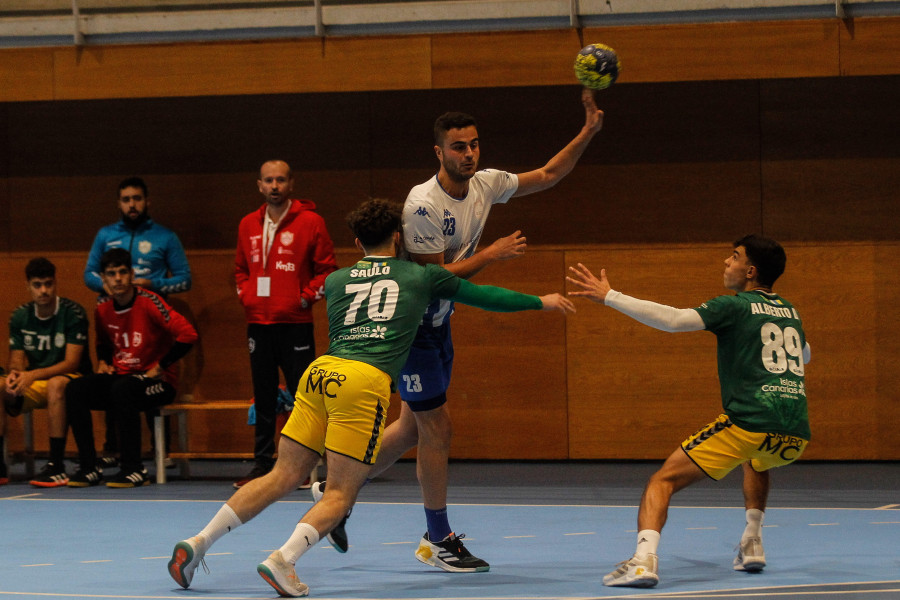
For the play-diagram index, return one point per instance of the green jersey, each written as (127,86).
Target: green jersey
(760,355)
(375,307)
(44,341)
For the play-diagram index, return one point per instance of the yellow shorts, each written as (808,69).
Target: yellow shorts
(36,395)
(341,405)
(721,446)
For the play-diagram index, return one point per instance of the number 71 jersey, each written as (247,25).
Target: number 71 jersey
(760,357)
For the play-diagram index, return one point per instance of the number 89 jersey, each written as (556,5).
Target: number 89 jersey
(375,307)
(760,356)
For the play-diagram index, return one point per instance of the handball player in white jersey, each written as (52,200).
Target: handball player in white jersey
(443,219)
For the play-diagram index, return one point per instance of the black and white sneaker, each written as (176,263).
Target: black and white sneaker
(51,476)
(83,478)
(129,479)
(108,462)
(450,555)
(337,537)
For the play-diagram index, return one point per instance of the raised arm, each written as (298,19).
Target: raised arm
(658,316)
(562,164)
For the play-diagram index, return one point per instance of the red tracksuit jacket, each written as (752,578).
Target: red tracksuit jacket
(301,257)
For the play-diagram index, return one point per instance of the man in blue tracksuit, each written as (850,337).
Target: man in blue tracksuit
(158,260)
(160,264)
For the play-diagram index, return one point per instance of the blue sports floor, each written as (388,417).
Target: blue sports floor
(549,530)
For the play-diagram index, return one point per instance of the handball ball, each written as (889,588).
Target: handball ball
(597,66)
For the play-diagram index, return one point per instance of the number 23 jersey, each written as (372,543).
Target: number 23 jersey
(760,357)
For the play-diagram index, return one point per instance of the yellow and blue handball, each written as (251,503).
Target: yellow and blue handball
(597,66)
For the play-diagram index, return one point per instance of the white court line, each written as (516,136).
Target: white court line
(781,590)
(823,524)
(87,562)
(29,497)
(21,496)
(207,554)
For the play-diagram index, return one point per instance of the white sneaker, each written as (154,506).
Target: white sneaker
(750,556)
(280,575)
(635,572)
(185,558)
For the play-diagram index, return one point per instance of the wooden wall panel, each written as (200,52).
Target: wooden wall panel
(691,52)
(841,322)
(870,46)
(26,74)
(661,53)
(310,65)
(633,391)
(497,59)
(829,168)
(508,393)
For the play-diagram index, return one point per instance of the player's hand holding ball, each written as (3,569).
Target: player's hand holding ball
(597,66)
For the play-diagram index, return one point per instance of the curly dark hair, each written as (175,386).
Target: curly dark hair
(375,220)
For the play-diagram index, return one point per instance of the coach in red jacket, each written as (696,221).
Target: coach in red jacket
(284,254)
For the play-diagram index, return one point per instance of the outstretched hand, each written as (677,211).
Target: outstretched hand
(593,116)
(507,247)
(593,288)
(557,302)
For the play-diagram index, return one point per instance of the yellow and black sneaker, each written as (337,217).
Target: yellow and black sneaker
(83,478)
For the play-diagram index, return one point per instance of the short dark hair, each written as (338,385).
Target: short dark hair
(115,257)
(766,255)
(451,120)
(39,268)
(375,220)
(134,182)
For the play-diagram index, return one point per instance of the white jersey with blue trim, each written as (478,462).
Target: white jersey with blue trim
(434,221)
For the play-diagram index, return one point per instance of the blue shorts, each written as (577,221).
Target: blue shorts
(425,377)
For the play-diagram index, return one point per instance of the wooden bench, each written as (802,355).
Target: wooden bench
(181,411)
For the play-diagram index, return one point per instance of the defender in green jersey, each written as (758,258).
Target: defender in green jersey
(47,348)
(374,309)
(762,351)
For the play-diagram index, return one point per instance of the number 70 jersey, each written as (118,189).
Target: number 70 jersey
(375,307)
(760,356)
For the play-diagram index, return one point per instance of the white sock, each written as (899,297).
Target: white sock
(224,521)
(648,542)
(754,523)
(304,537)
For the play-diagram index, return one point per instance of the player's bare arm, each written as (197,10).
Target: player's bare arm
(562,164)
(558,303)
(505,248)
(592,287)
